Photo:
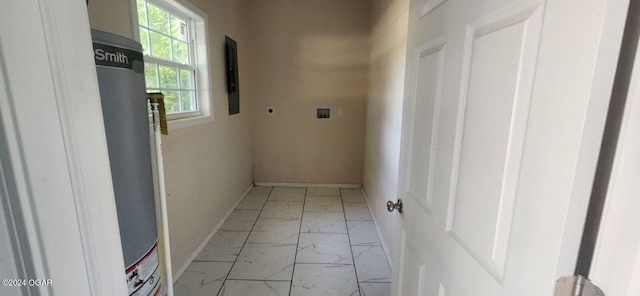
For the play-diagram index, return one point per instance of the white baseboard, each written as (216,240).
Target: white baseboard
(202,245)
(375,222)
(307,185)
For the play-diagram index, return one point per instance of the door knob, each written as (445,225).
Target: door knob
(393,206)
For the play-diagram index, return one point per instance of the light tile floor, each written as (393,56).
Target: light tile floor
(293,241)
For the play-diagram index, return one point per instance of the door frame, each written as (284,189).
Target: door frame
(616,257)
(57,194)
(610,39)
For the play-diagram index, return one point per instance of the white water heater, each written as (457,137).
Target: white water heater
(120,70)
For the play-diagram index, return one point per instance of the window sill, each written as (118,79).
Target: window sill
(177,124)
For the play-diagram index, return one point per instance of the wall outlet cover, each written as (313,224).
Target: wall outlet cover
(323,113)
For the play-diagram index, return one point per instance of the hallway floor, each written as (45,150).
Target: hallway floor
(293,241)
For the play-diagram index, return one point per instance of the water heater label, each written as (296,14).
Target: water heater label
(143,277)
(111,56)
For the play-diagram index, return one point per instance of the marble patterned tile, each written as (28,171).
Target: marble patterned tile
(357,211)
(253,202)
(324,248)
(264,262)
(202,278)
(223,246)
(261,190)
(287,194)
(321,198)
(323,205)
(352,194)
(275,231)
(328,222)
(282,210)
(323,191)
(250,288)
(375,289)
(371,264)
(324,280)
(363,233)
(240,220)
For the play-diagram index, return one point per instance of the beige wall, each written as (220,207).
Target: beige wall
(303,55)
(110,16)
(384,110)
(209,166)
(294,56)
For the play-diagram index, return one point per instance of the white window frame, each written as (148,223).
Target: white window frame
(199,52)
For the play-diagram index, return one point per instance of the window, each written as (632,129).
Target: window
(173,39)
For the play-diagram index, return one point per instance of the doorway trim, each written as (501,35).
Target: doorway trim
(55,158)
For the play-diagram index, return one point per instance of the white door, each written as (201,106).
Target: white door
(504,109)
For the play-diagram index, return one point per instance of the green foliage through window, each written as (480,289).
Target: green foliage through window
(168,63)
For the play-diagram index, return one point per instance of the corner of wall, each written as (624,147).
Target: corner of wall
(384,111)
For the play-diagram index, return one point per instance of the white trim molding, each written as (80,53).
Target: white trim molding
(206,240)
(55,158)
(307,185)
